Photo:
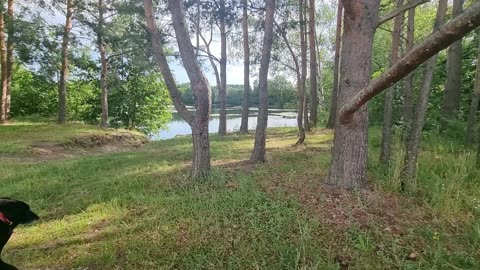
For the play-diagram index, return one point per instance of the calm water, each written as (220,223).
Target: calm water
(276,118)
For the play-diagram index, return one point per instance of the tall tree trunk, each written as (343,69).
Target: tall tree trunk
(303,53)
(62,85)
(408,109)
(336,68)
(3,65)
(201,91)
(452,31)
(413,140)
(258,153)
(222,89)
(387,133)
(300,93)
(300,105)
(103,59)
(472,116)
(349,160)
(246,70)
(321,96)
(313,65)
(212,60)
(453,83)
(201,88)
(10,40)
(197,26)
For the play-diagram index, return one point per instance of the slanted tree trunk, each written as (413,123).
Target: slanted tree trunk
(313,65)
(103,59)
(300,92)
(453,83)
(446,35)
(197,26)
(408,109)
(413,140)
(472,116)
(10,40)
(349,160)
(258,153)
(222,89)
(321,96)
(246,70)
(336,68)
(303,53)
(441,39)
(212,59)
(3,65)
(62,84)
(200,86)
(387,133)
(201,90)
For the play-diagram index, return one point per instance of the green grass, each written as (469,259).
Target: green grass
(137,209)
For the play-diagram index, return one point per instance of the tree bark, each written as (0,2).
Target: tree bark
(472,116)
(103,59)
(413,140)
(258,153)
(200,86)
(453,83)
(387,133)
(3,65)
(336,68)
(446,35)
(159,54)
(408,109)
(201,91)
(10,41)
(300,93)
(246,70)
(313,65)
(303,53)
(350,150)
(62,84)
(222,89)
(212,60)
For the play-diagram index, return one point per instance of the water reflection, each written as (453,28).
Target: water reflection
(276,118)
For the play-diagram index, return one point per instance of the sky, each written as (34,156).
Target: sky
(234,68)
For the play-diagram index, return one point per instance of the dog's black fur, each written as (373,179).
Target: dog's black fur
(17,212)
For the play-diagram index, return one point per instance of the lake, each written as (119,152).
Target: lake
(276,118)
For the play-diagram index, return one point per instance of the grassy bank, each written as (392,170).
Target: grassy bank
(136,208)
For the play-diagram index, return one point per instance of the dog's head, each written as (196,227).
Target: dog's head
(17,212)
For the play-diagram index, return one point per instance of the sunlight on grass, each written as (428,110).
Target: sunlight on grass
(137,209)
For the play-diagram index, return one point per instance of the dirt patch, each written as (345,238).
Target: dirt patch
(341,209)
(87,144)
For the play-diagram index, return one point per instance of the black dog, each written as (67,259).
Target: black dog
(12,213)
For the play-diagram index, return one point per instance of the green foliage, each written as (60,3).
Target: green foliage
(281,93)
(142,101)
(32,94)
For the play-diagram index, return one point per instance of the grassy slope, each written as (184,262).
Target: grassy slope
(137,210)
